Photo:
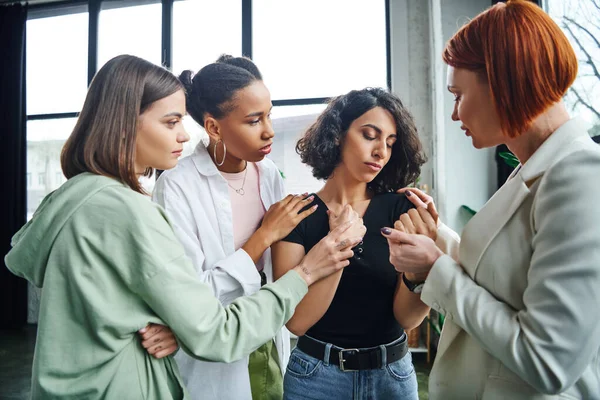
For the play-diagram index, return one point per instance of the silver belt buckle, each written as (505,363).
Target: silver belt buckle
(342,360)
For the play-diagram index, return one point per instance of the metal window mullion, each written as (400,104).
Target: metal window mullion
(300,102)
(167,34)
(39,117)
(388,45)
(247,28)
(93,18)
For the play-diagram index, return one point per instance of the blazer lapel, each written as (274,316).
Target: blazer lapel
(478,234)
(489,221)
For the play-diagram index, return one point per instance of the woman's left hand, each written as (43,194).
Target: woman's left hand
(414,254)
(158,340)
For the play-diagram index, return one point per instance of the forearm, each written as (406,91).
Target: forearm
(207,330)
(314,305)
(231,277)
(448,241)
(258,243)
(549,356)
(409,310)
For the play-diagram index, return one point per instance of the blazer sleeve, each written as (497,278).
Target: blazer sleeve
(557,335)
(448,241)
(229,278)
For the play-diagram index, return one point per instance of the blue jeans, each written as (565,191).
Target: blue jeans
(310,378)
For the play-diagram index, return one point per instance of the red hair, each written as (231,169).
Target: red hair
(527,59)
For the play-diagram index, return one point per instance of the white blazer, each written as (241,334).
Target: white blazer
(522,300)
(196,198)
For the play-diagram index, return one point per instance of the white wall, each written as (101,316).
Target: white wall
(456,172)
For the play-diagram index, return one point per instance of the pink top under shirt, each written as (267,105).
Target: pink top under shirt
(248,209)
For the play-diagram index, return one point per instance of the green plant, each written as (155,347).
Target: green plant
(468,210)
(437,327)
(509,158)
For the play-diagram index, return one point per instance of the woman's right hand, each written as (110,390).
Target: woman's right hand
(347,214)
(283,216)
(331,253)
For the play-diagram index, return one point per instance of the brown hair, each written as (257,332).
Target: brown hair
(528,61)
(103,140)
(321,145)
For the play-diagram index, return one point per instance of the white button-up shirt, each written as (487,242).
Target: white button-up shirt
(196,198)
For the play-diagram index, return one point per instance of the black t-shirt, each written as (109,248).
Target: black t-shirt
(361,313)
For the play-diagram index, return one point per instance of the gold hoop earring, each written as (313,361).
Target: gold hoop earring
(215,152)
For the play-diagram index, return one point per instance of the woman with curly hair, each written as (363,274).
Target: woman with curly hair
(351,325)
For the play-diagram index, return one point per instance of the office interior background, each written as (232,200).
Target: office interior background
(308,51)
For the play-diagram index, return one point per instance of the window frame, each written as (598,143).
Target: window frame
(94,7)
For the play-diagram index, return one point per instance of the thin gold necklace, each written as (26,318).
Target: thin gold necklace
(241,190)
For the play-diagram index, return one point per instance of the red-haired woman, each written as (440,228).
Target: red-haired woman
(521,292)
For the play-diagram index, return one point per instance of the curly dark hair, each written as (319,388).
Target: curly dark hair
(320,147)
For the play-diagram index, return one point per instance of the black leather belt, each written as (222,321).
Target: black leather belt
(353,359)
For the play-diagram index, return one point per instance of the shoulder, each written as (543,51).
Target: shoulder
(177,176)
(179,181)
(574,176)
(567,195)
(124,208)
(314,227)
(131,229)
(319,217)
(270,173)
(269,170)
(394,203)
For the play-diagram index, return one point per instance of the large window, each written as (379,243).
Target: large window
(56,76)
(307,51)
(203,30)
(45,139)
(580,19)
(315,48)
(289,123)
(305,57)
(56,63)
(134,30)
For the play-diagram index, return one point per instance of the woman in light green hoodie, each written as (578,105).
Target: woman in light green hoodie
(109,263)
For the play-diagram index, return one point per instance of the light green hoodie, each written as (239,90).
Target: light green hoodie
(109,263)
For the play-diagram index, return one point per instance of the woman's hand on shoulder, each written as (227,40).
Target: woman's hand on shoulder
(283,216)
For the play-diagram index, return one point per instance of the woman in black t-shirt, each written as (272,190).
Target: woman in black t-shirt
(351,325)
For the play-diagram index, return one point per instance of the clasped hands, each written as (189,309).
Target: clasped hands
(412,240)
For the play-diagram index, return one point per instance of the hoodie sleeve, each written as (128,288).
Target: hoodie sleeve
(154,263)
(229,278)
